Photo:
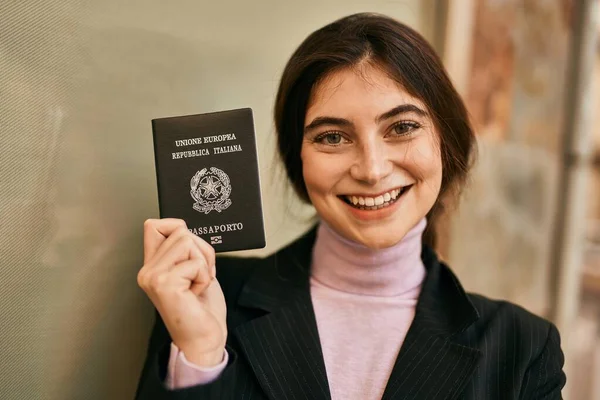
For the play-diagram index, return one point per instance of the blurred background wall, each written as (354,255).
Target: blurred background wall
(81,80)
(531,86)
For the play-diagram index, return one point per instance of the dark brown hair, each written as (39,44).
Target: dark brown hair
(407,58)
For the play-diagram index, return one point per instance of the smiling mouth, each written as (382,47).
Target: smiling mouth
(377,202)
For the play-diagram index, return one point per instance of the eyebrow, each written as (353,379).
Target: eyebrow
(401,109)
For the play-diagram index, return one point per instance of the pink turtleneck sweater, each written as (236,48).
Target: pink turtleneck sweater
(364,302)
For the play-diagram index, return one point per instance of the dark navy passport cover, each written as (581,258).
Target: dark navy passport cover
(207,174)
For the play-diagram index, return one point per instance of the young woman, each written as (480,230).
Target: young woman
(373,135)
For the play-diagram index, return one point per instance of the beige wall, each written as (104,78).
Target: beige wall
(80,82)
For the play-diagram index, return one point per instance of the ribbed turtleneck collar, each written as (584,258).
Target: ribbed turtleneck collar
(350,267)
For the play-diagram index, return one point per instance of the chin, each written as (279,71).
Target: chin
(378,244)
(379,240)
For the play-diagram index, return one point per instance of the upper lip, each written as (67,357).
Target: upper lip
(377,194)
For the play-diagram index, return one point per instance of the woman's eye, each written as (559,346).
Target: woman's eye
(331,138)
(404,128)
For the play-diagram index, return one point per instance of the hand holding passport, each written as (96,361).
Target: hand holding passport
(207,175)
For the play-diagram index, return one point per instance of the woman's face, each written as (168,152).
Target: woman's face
(370,156)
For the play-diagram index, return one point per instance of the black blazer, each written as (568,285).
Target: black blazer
(459,346)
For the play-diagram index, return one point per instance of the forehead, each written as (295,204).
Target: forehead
(361,91)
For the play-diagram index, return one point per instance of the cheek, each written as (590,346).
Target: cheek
(424,162)
(321,171)
(310,168)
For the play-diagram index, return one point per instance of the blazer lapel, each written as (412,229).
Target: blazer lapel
(284,350)
(430,364)
(283,346)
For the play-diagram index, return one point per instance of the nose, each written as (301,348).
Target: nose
(372,162)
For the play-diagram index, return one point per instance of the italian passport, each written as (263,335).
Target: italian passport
(207,175)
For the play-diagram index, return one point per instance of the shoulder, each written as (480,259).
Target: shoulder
(519,346)
(503,312)
(508,325)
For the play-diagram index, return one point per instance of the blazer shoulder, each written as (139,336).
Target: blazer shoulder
(492,309)
(512,321)
(524,344)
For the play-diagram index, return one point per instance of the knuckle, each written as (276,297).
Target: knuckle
(176,223)
(182,231)
(188,241)
(157,282)
(201,264)
(141,278)
(149,223)
(199,267)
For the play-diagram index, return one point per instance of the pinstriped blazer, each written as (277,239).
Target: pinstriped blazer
(459,346)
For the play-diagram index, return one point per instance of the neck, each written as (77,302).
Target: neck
(351,267)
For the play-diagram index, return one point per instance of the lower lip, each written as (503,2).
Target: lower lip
(371,215)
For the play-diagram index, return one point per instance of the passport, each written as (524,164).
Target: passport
(207,175)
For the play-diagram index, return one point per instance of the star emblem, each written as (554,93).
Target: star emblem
(210,190)
(210,187)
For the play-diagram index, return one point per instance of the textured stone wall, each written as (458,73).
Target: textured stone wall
(502,232)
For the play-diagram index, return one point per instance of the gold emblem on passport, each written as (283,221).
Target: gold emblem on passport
(210,189)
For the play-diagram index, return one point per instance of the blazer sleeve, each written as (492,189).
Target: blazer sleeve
(152,385)
(545,378)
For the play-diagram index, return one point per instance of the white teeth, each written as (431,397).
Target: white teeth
(376,202)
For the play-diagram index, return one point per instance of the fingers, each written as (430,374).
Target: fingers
(192,273)
(195,271)
(160,235)
(158,276)
(177,249)
(168,244)
(175,258)
(156,231)
(208,251)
